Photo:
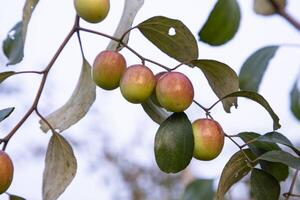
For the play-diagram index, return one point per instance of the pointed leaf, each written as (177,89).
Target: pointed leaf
(60,167)
(236,168)
(254,68)
(282,157)
(222,23)
(157,114)
(174,143)
(171,36)
(199,189)
(5,75)
(15,197)
(264,186)
(260,100)
(13,45)
(278,170)
(4,113)
(222,79)
(295,100)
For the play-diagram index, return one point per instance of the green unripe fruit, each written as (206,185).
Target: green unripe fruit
(107,69)
(137,83)
(92,11)
(265,7)
(6,172)
(208,139)
(174,92)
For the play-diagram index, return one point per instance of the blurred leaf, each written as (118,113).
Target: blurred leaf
(236,168)
(5,75)
(282,157)
(264,186)
(4,113)
(77,105)
(253,69)
(60,167)
(222,79)
(174,143)
(278,170)
(13,45)
(14,197)
(295,100)
(199,189)
(171,36)
(222,23)
(157,114)
(259,99)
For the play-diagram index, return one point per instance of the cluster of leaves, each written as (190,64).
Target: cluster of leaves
(174,139)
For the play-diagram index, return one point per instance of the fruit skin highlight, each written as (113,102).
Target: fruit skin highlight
(137,83)
(107,69)
(208,139)
(6,171)
(174,92)
(92,11)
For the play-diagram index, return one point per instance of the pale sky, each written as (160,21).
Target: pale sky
(49,25)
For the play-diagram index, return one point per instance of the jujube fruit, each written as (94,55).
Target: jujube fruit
(107,69)
(6,171)
(265,7)
(208,139)
(137,83)
(174,91)
(153,96)
(92,10)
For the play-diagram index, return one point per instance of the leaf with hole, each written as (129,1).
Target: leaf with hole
(174,143)
(171,36)
(264,186)
(60,167)
(235,169)
(222,79)
(199,189)
(260,100)
(4,113)
(254,68)
(222,23)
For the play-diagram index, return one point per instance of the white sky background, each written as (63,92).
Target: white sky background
(49,25)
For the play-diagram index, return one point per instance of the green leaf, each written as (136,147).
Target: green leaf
(60,167)
(264,186)
(199,189)
(4,113)
(15,197)
(13,45)
(282,157)
(222,79)
(5,75)
(222,23)
(157,114)
(278,170)
(236,168)
(181,44)
(295,100)
(260,100)
(174,143)
(254,68)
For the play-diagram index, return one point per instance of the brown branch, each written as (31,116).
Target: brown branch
(290,193)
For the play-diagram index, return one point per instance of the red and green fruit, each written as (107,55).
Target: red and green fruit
(153,96)
(208,139)
(174,91)
(137,83)
(107,69)
(6,171)
(92,11)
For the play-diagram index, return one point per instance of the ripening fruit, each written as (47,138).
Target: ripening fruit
(6,171)
(265,7)
(137,83)
(208,139)
(107,69)
(174,92)
(92,11)
(153,96)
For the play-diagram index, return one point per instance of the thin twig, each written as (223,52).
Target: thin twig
(290,193)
